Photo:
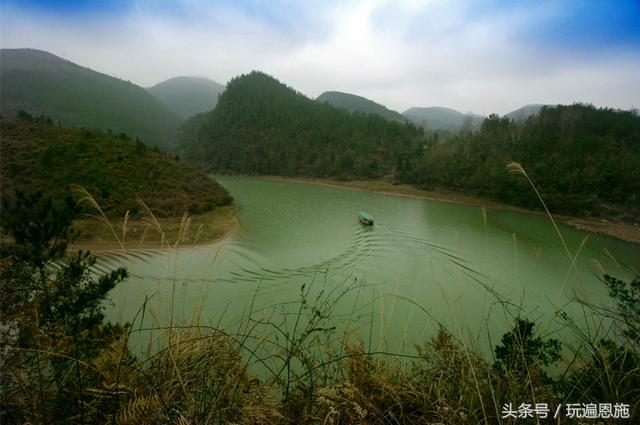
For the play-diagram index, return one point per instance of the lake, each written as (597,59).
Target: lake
(422,264)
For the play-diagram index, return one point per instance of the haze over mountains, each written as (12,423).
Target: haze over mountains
(353,103)
(42,83)
(188,96)
(263,126)
(433,118)
(439,118)
(525,112)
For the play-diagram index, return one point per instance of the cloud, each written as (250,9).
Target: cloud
(473,56)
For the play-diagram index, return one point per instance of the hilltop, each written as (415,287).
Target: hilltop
(188,96)
(44,84)
(521,114)
(585,161)
(439,118)
(355,103)
(38,155)
(261,126)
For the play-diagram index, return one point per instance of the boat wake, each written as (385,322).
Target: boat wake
(236,264)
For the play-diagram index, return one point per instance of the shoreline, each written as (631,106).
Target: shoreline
(622,231)
(140,234)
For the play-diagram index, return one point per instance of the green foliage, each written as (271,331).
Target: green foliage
(117,171)
(583,160)
(76,299)
(627,299)
(42,83)
(51,316)
(40,231)
(521,350)
(24,116)
(606,366)
(261,126)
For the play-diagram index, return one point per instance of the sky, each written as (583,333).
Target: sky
(478,56)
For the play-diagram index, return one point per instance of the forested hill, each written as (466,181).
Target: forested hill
(188,96)
(521,114)
(38,155)
(354,103)
(261,126)
(44,84)
(584,161)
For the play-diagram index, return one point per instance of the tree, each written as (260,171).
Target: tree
(51,310)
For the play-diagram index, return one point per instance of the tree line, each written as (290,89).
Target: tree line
(583,159)
(260,126)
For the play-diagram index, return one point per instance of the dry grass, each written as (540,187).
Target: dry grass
(290,363)
(147,232)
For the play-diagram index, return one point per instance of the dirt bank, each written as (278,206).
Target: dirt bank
(619,230)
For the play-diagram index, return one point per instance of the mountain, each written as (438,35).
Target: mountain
(439,118)
(583,161)
(353,103)
(188,96)
(525,112)
(43,84)
(38,155)
(261,126)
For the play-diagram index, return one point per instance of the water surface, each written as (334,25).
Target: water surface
(421,264)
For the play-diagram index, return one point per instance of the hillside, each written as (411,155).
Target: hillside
(438,118)
(261,126)
(583,160)
(38,155)
(188,96)
(521,114)
(44,84)
(354,103)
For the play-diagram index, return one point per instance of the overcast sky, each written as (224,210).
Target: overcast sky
(480,56)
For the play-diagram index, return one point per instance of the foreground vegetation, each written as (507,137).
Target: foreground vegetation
(115,170)
(62,363)
(149,232)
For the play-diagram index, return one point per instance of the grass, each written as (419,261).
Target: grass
(204,228)
(300,361)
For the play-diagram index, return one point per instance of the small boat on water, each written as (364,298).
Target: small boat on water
(365,218)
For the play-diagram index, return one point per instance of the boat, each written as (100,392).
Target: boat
(365,218)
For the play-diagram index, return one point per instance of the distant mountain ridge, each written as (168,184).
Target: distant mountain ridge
(355,103)
(188,96)
(584,161)
(440,118)
(44,84)
(521,114)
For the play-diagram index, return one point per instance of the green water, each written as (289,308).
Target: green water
(421,264)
